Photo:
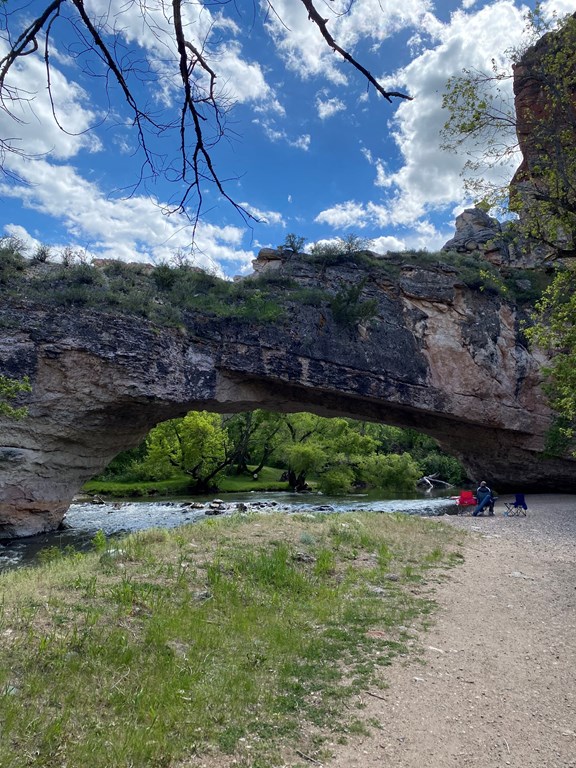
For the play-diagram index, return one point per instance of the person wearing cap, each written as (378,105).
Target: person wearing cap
(484,498)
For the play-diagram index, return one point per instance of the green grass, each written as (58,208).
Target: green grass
(172,296)
(248,637)
(174,487)
(268,480)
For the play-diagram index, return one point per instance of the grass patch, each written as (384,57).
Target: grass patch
(268,480)
(173,296)
(122,490)
(247,636)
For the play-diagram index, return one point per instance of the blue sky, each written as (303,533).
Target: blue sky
(311,151)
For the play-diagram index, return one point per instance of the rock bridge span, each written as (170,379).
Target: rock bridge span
(436,356)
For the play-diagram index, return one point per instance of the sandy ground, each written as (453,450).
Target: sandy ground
(498,682)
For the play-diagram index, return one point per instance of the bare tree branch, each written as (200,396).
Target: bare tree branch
(202,108)
(321,23)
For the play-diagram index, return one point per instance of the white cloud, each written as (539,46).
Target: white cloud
(30,115)
(557,7)
(422,238)
(133,229)
(266,217)
(296,37)
(429,178)
(302,142)
(29,242)
(270,106)
(150,27)
(365,152)
(328,107)
(387,243)
(383,177)
(415,233)
(280,135)
(243,80)
(344,216)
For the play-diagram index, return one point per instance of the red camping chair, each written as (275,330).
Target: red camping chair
(466,499)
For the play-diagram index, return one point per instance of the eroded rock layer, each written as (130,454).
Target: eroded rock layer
(437,356)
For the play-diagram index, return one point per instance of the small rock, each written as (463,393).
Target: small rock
(303,557)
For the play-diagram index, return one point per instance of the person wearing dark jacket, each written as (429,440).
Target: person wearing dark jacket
(484,498)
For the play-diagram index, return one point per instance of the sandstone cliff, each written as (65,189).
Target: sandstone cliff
(542,190)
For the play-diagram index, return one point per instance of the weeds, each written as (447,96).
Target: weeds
(167,293)
(347,308)
(246,636)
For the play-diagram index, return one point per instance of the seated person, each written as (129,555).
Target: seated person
(484,498)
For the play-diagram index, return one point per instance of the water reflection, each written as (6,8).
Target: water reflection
(117,518)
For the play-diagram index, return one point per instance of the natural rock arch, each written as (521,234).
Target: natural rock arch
(437,356)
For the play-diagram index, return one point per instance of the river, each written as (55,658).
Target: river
(115,518)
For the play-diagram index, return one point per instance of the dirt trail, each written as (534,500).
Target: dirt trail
(498,683)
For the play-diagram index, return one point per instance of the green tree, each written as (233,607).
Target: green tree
(341,455)
(252,439)
(396,471)
(337,480)
(445,468)
(9,390)
(195,445)
(299,447)
(304,459)
(292,243)
(555,332)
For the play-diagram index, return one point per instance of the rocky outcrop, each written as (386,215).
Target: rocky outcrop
(478,234)
(542,189)
(437,356)
(540,116)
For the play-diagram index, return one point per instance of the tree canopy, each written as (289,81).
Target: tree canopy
(339,454)
(554,330)
(195,445)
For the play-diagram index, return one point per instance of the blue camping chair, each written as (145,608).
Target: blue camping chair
(516,508)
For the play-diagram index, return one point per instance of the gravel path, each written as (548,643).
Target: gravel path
(498,683)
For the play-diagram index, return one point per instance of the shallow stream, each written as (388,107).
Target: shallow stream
(84,520)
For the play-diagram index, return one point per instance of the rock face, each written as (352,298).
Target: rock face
(538,116)
(437,356)
(480,235)
(542,190)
